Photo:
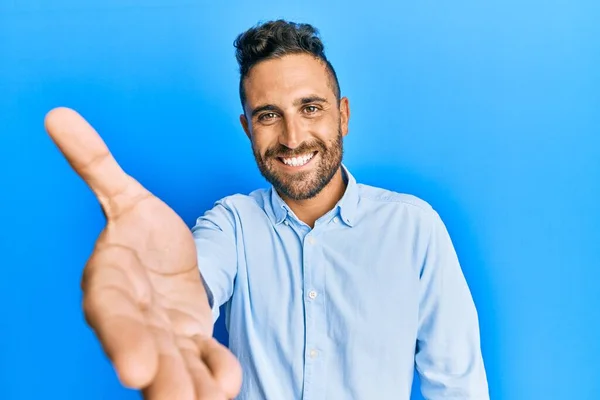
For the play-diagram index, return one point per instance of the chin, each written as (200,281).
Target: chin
(300,190)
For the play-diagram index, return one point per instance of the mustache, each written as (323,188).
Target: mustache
(283,151)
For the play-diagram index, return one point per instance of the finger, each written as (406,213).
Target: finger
(172,380)
(224,367)
(87,153)
(204,383)
(111,309)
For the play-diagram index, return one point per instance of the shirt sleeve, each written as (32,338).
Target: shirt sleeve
(448,355)
(214,235)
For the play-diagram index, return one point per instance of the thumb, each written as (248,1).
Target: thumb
(89,156)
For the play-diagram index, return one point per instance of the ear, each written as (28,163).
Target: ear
(244,122)
(344,115)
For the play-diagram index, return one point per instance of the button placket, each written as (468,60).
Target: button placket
(310,265)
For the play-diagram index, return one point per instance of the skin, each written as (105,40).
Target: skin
(291,109)
(142,293)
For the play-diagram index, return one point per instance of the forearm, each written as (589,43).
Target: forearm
(448,357)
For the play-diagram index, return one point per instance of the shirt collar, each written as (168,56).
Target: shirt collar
(347,205)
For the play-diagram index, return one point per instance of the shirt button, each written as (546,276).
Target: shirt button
(286,222)
(336,220)
(313,353)
(311,240)
(312,294)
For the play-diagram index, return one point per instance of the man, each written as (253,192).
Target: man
(334,289)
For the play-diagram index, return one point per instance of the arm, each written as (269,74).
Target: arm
(214,237)
(448,356)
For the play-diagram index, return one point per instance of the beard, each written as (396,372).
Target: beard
(301,185)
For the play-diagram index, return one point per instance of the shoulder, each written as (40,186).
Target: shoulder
(240,202)
(228,210)
(372,194)
(388,204)
(411,210)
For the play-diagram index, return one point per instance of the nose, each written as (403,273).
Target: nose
(292,134)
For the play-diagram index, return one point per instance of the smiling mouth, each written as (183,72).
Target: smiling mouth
(298,161)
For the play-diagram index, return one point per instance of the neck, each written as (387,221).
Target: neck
(309,210)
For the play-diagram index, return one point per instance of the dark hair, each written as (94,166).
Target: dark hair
(275,39)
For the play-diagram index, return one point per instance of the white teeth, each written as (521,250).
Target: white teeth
(298,161)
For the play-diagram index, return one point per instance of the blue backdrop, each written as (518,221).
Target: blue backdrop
(488,110)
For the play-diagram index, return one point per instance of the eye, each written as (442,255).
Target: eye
(311,109)
(267,116)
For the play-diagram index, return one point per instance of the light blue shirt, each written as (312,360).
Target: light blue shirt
(345,310)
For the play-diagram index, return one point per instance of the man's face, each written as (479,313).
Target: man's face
(294,123)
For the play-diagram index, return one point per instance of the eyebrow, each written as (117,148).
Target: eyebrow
(310,99)
(300,101)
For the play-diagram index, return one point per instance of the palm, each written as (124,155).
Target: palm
(143,293)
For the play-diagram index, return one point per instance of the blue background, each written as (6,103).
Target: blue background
(488,110)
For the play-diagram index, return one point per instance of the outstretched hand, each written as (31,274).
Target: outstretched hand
(142,291)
